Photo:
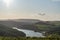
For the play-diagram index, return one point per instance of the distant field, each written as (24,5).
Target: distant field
(48,25)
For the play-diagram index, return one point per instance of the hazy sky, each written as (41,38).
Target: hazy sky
(30,9)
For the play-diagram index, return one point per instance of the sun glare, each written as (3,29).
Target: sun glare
(7,2)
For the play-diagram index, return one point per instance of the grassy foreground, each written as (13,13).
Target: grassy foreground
(29,38)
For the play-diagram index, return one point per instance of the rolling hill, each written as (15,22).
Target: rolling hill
(9,32)
(21,23)
(31,24)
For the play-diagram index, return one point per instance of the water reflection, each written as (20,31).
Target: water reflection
(30,33)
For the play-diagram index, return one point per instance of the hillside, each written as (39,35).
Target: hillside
(21,23)
(55,29)
(31,24)
(6,31)
(47,25)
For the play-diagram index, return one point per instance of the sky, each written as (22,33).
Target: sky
(30,9)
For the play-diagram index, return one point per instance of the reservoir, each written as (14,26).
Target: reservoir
(30,33)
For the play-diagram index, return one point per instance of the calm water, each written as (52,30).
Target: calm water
(30,33)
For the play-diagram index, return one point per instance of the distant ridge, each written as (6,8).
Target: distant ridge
(21,23)
(29,24)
